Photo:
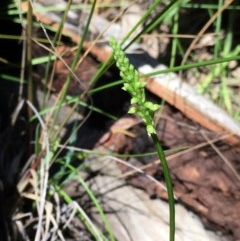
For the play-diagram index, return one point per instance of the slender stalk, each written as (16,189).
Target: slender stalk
(29,57)
(168,181)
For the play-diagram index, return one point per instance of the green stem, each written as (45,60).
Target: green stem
(29,57)
(168,181)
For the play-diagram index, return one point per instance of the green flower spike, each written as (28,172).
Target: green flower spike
(140,106)
(145,109)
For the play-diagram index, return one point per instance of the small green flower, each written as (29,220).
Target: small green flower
(132,110)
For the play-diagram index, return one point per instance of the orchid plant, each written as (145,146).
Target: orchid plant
(145,109)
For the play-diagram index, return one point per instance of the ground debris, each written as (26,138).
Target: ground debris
(204,169)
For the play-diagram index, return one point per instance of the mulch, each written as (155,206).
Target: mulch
(204,168)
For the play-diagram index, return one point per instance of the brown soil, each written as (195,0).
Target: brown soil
(204,168)
(202,173)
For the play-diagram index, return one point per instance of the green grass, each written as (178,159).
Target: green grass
(46,138)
